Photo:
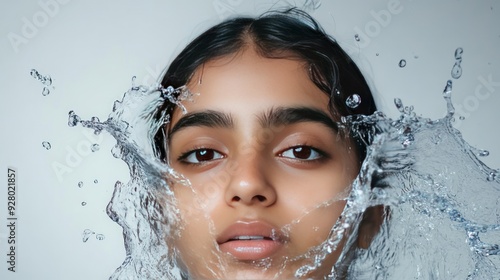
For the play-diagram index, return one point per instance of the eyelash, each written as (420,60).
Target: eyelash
(183,158)
(318,155)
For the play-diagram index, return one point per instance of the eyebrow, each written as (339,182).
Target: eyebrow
(208,118)
(291,115)
(272,118)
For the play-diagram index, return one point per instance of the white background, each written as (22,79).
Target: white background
(91,49)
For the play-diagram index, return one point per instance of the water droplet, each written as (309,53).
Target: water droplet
(47,80)
(45,91)
(399,104)
(456,71)
(415,56)
(377,54)
(483,153)
(402,63)
(46,145)
(99,236)
(94,119)
(461,118)
(458,53)
(73,119)
(86,234)
(447,89)
(34,73)
(356,37)
(492,176)
(84,203)
(133,80)
(353,101)
(337,92)
(95,147)
(80,184)
(116,151)
(96,181)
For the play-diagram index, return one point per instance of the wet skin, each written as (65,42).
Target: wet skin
(262,153)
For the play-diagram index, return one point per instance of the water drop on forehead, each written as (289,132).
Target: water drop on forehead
(402,63)
(46,145)
(353,101)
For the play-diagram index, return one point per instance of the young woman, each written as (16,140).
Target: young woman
(269,165)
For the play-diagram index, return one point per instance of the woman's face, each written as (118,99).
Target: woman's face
(268,170)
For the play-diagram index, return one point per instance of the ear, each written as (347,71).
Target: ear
(370,225)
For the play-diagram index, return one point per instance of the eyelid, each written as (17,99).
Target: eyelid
(184,156)
(320,153)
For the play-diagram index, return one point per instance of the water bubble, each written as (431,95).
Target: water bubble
(458,53)
(80,184)
(353,101)
(402,63)
(99,236)
(456,71)
(356,37)
(86,234)
(483,153)
(73,119)
(95,147)
(45,91)
(84,203)
(96,181)
(46,145)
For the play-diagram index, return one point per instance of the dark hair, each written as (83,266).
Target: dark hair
(291,34)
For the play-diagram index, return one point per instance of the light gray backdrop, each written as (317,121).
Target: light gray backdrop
(91,49)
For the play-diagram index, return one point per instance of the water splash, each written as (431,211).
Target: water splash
(419,169)
(45,80)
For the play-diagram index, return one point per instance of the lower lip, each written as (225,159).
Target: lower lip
(250,250)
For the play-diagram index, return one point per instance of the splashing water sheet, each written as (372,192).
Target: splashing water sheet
(420,170)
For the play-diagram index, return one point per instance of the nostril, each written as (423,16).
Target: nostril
(261,198)
(236,198)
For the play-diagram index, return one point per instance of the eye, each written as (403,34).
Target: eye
(305,153)
(200,156)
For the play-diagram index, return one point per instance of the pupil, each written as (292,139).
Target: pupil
(204,155)
(302,152)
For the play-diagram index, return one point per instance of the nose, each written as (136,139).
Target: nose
(250,184)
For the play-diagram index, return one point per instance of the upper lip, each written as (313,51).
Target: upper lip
(250,229)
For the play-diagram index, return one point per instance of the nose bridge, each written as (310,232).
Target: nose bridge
(249,182)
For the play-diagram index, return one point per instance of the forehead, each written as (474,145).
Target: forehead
(247,82)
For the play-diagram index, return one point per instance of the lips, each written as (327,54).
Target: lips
(249,241)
